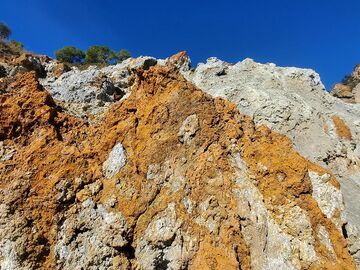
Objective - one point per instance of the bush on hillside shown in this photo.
(70, 54)
(5, 31)
(100, 55)
(123, 55)
(16, 46)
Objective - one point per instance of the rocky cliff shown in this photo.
(150, 164)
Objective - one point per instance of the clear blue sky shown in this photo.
(323, 35)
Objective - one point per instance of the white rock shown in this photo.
(188, 129)
(329, 198)
(115, 161)
(325, 240)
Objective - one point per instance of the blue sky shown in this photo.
(323, 35)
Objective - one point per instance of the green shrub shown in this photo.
(70, 54)
(16, 46)
(100, 54)
(123, 55)
(5, 31)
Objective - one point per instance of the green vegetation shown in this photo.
(95, 55)
(70, 54)
(12, 46)
(5, 31)
(100, 55)
(123, 55)
(16, 46)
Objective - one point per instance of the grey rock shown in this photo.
(16, 70)
(164, 245)
(92, 91)
(153, 171)
(65, 192)
(354, 242)
(95, 187)
(74, 86)
(91, 237)
(6, 152)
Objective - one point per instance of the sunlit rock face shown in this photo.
(186, 169)
(292, 101)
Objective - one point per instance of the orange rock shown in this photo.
(60, 68)
(342, 91)
(342, 130)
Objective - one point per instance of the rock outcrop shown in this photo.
(173, 177)
(89, 92)
(293, 102)
(349, 89)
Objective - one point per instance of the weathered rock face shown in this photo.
(91, 91)
(91, 238)
(171, 178)
(293, 102)
(28, 62)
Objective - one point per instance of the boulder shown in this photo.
(342, 91)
